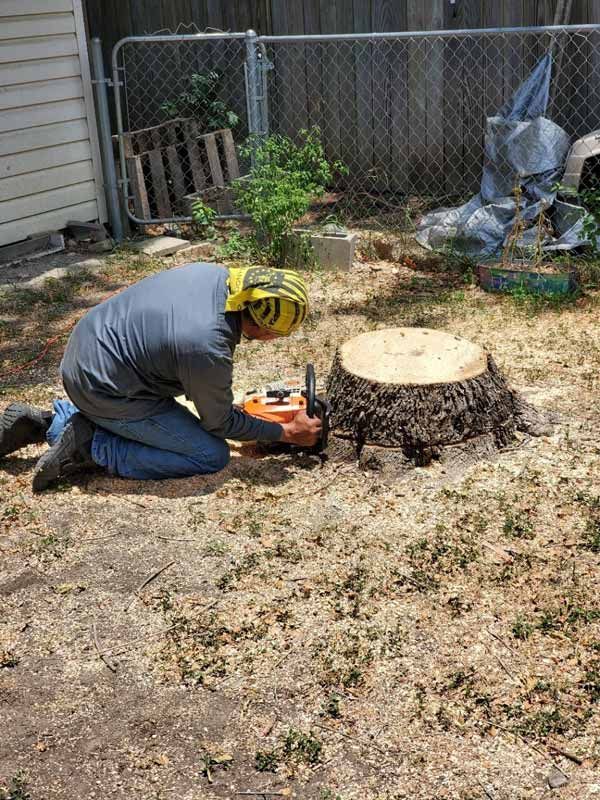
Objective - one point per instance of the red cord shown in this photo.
(49, 343)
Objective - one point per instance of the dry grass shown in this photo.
(320, 633)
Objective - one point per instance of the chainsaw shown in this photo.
(281, 403)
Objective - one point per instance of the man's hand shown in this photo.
(302, 430)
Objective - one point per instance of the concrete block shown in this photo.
(332, 250)
(159, 246)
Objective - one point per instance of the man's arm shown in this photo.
(208, 383)
(209, 387)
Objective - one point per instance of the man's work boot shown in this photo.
(21, 425)
(71, 453)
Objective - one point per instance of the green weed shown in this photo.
(303, 748)
(16, 790)
(240, 569)
(51, 546)
(332, 706)
(591, 681)
(209, 762)
(266, 761)
(591, 534)
(543, 723)
(216, 547)
(531, 303)
(518, 525)
(8, 659)
(239, 248)
(329, 794)
(521, 629)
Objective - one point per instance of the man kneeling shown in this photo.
(128, 358)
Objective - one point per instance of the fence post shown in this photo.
(111, 183)
(253, 87)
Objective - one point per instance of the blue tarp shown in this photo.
(521, 145)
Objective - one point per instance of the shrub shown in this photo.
(202, 102)
(284, 179)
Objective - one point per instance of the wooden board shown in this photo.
(156, 137)
(160, 188)
(233, 169)
(345, 56)
(196, 166)
(176, 171)
(390, 121)
(290, 91)
(212, 152)
(138, 187)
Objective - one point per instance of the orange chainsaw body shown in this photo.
(275, 409)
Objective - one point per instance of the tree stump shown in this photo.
(403, 397)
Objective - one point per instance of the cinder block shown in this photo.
(331, 250)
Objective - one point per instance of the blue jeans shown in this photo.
(172, 444)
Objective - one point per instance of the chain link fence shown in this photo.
(406, 113)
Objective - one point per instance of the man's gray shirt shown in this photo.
(162, 337)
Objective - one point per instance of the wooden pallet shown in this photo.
(168, 162)
(160, 136)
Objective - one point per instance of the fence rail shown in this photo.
(406, 112)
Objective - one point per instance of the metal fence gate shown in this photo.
(406, 112)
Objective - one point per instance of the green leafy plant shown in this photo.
(332, 706)
(266, 761)
(522, 629)
(204, 217)
(202, 102)
(17, 790)
(302, 747)
(239, 248)
(518, 525)
(209, 762)
(590, 199)
(284, 179)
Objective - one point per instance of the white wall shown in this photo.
(50, 168)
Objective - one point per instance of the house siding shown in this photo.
(50, 169)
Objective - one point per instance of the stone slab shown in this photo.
(159, 246)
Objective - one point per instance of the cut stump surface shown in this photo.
(403, 395)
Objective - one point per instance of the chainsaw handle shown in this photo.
(311, 390)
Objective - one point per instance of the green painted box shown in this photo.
(496, 278)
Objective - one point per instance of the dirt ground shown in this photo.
(315, 632)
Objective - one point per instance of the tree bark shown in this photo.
(417, 420)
